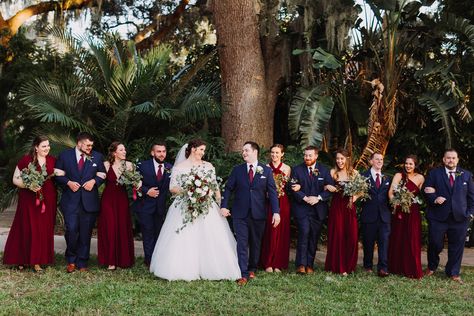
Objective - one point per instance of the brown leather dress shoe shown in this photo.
(241, 281)
(301, 270)
(428, 272)
(383, 273)
(368, 270)
(457, 278)
(309, 270)
(70, 268)
(251, 275)
(83, 269)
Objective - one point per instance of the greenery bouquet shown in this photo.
(131, 179)
(32, 179)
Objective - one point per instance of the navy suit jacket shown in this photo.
(251, 196)
(310, 186)
(459, 198)
(378, 204)
(70, 200)
(147, 204)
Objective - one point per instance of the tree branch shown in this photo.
(23, 15)
(168, 24)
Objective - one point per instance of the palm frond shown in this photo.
(309, 115)
(439, 107)
(200, 103)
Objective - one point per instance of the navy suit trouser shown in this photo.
(379, 232)
(79, 225)
(150, 226)
(249, 234)
(456, 232)
(309, 231)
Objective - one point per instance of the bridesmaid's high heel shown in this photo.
(111, 268)
(37, 269)
(269, 269)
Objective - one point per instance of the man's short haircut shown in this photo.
(254, 145)
(84, 136)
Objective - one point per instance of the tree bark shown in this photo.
(247, 114)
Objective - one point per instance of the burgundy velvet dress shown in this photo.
(342, 247)
(115, 244)
(276, 241)
(404, 252)
(31, 237)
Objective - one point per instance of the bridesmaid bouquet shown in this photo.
(130, 178)
(357, 185)
(280, 180)
(403, 197)
(198, 187)
(32, 179)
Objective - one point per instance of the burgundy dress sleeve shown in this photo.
(24, 161)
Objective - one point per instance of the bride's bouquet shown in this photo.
(357, 185)
(32, 179)
(130, 178)
(403, 197)
(198, 187)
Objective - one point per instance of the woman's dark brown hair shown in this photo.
(194, 143)
(36, 141)
(112, 149)
(415, 161)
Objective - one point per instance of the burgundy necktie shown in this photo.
(159, 173)
(80, 163)
(250, 173)
(451, 178)
(377, 180)
(310, 172)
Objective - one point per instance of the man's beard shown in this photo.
(159, 160)
(310, 163)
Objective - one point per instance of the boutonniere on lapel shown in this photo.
(458, 173)
(167, 170)
(315, 172)
(88, 157)
(259, 170)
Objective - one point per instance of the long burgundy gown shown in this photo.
(114, 230)
(342, 249)
(276, 241)
(404, 252)
(31, 237)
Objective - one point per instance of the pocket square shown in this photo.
(263, 177)
(320, 178)
(464, 183)
(387, 183)
(94, 165)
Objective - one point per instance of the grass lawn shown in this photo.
(137, 292)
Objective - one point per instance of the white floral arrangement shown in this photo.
(357, 185)
(403, 197)
(198, 188)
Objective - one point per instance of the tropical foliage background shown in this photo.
(394, 76)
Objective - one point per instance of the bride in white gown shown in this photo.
(205, 248)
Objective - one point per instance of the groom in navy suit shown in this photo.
(450, 194)
(80, 171)
(376, 216)
(251, 183)
(151, 208)
(309, 207)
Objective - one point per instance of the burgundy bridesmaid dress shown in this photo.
(342, 247)
(404, 252)
(276, 241)
(31, 237)
(115, 244)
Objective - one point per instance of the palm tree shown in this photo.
(116, 92)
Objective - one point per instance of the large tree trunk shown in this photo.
(247, 114)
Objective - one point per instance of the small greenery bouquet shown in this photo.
(198, 187)
(280, 181)
(403, 198)
(32, 179)
(357, 185)
(131, 179)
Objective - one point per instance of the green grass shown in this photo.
(137, 292)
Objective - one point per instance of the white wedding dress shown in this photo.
(204, 249)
